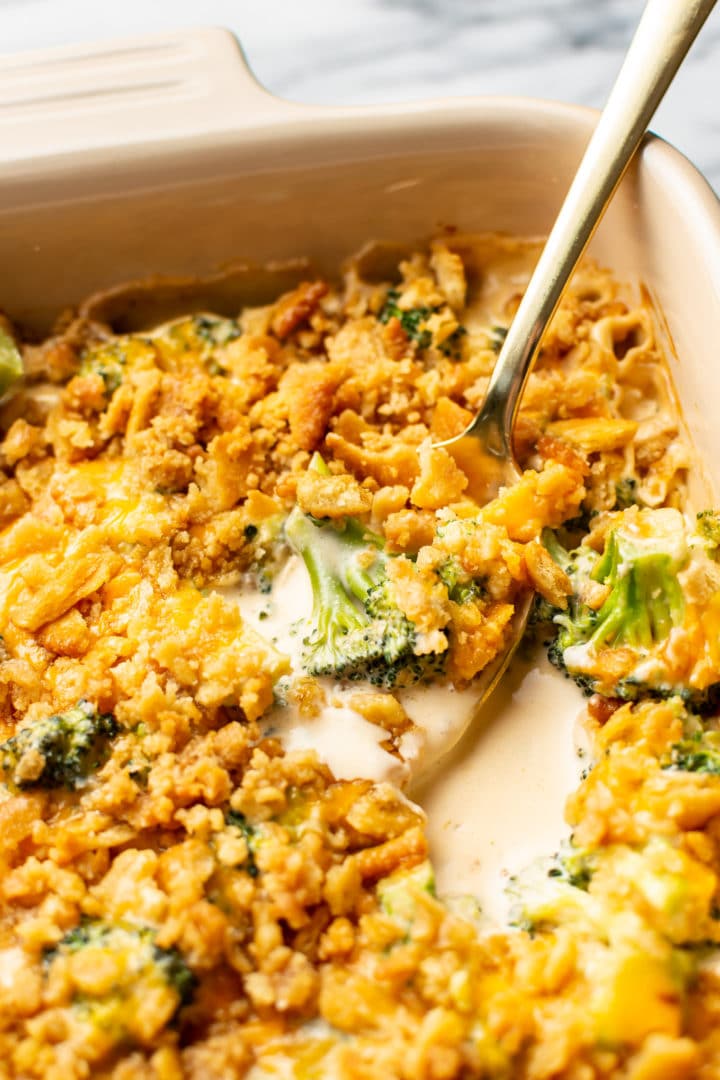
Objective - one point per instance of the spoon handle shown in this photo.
(665, 33)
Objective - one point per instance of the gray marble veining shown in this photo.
(364, 51)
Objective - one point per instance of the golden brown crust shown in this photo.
(547, 577)
(296, 306)
(132, 496)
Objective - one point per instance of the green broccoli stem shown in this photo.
(357, 630)
(645, 601)
(640, 568)
(333, 609)
(307, 536)
(356, 541)
(699, 754)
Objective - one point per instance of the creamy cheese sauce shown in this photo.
(277, 616)
(343, 738)
(497, 801)
(339, 734)
(442, 714)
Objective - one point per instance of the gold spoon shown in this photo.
(666, 31)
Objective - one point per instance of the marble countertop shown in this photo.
(362, 51)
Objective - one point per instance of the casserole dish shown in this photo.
(219, 171)
(167, 149)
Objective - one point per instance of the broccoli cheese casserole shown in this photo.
(245, 599)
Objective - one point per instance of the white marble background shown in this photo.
(360, 51)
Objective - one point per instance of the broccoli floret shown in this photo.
(543, 612)
(358, 632)
(111, 359)
(199, 335)
(699, 753)
(575, 866)
(411, 320)
(461, 587)
(452, 345)
(645, 599)
(239, 821)
(626, 597)
(139, 942)
(215, 330)
(551, 891)
(265, 552)
(626, 493)
(401, 893)
(108, 361)
(556, 656)
(142, 970)
(59, 751)
(708, 527)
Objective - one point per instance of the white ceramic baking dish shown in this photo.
(163, 155)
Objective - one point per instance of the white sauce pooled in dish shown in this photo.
(276, 616)
(346, 741)
(343, 738)
(497, 801)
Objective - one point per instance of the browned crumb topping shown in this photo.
(185, 899)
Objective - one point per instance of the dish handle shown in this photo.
(182, 84)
